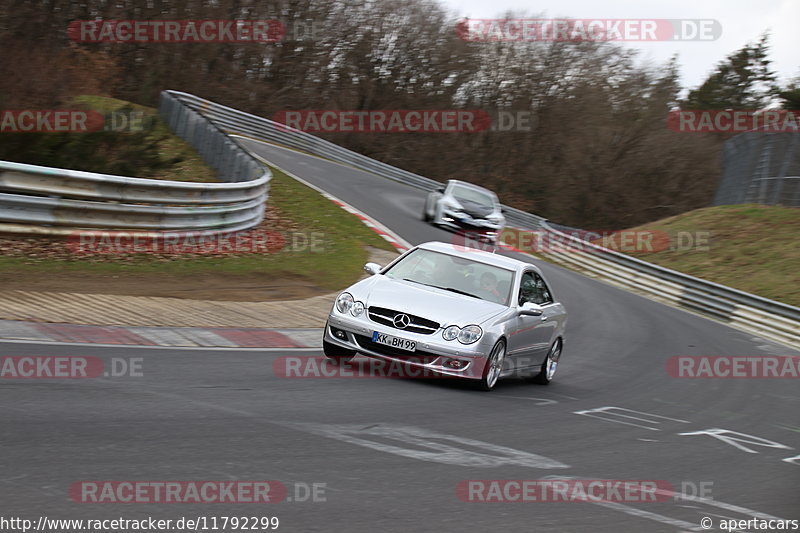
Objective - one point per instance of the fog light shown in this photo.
(455, 363)
(338, 333)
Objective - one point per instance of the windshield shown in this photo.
(456, 274)
(469, 194)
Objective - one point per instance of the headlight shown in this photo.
(344, 302)
(357, 309)
(450, 333)
(470, 334)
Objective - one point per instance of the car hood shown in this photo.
(445, 307)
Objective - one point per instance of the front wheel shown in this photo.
(545, 375)
(426, 217)
(493, 367)
(337, 353)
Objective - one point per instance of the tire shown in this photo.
(548, 370)
(337, 353)
(494, 365)
(425, 216)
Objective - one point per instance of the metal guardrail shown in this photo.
(43, 200)
(749, 312)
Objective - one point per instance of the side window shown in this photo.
(525, 287)
(542, 291)
(533, 289)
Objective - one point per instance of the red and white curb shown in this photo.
(399, 244)
(161, 336)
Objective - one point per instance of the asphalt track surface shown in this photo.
(390, 453)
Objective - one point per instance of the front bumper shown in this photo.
(459, 220)
(434, 355)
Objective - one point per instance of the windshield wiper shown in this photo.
(459, 291)
(451, 289)
(415, 281)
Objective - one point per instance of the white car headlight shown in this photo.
(357, 308)
(344, 302)
(470, 334)
(451, 333)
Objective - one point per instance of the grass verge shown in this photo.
(134, 142)
(753, 248)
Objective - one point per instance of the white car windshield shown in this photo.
(469, 194)
(455, 274)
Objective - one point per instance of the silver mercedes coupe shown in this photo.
(451, 311)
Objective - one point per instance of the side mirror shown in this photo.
(372, 268)
(530, 309)
(503, 210)
(440, 189)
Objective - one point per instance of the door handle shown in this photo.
(544, 318)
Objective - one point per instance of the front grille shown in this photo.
(419, 356)
(385, 316)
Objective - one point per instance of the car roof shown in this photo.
(477, 255)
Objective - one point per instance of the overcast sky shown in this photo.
(742, 21)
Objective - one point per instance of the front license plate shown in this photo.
(394, 342)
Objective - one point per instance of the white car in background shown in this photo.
(451, 311)
(465, 206)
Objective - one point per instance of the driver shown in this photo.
(489, 287)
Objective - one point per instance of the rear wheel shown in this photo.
(425, 215)
(550, 364)
(337, 353)
(494, 365)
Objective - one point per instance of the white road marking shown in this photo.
(541, 401)
(633, 511)
(619, 412)
(734, 438)
(346, 433)
(429, 445)
(716, 503)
